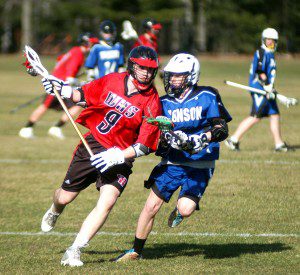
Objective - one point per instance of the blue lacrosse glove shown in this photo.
(107, 159)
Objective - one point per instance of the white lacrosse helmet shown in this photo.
(181, 64)
(269, 33)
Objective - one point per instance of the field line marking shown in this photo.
(189, 234)
(145, 160)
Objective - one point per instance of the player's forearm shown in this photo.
(129, 153)
(136, 150)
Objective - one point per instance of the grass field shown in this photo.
(254, 192)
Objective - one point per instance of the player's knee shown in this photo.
(185, 212)
(255, 120)
(186, 207)
(63, 197)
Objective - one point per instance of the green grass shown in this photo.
(246, 195)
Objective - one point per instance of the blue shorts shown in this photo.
(166, 179)
(261, 106)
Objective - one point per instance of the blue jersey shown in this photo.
(263, 62)
(193, 116)
(107, 59)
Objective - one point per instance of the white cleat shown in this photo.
(48, 221)
(26, 132)
(71, 257)
(56, 132)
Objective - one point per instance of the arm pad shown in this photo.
(219, 130)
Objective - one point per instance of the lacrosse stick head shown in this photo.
(128, 31)
(162, 122)
(291, 102)
(287, 101)
(35, 61)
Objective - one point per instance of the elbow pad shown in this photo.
(219, 130)
(140, 149)
(82, 102)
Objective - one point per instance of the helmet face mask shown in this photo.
(181, 73)
(269, 35)
(142, 66)
(175, 83)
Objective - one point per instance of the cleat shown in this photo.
(26, 132)
(284, 148)
(233, 146)
(48, 221)
(56, 132)
(71, 257)
(175, 218)
(128, 255)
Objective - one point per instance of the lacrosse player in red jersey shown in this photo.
(116, 107)
(66, 68)
(150, 36)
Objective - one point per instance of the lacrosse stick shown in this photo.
(36, 64)
(287, 101)
(129, 32)
(166, 126)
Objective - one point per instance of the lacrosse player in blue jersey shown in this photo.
(262, 76)
(107, 56)
(200, 118)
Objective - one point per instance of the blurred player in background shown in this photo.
(118, 132)
(107, 56)
(150, 36)
(199, 117)
(262, 76)
(66, 69)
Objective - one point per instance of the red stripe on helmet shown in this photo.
(146, 62)
(94, 40)
(157, 26)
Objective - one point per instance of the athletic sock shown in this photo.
(234, 139)
(80, 241)
(29, 124)
(53, 212)
(139, 245)
(60, 123)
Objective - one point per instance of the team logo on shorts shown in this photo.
(122, 180)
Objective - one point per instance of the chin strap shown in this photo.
(140, 86)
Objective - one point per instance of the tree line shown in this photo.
(188, 25)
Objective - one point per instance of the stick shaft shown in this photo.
(244, 87)
(63, 105)
(14, 110)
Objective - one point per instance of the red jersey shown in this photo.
(69, 64)
(116, 119)
(144, 41)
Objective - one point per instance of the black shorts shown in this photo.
(81, 173)
(51, 102)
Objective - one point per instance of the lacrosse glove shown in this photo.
(200, 142)
(63, 88)
(107, 159)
